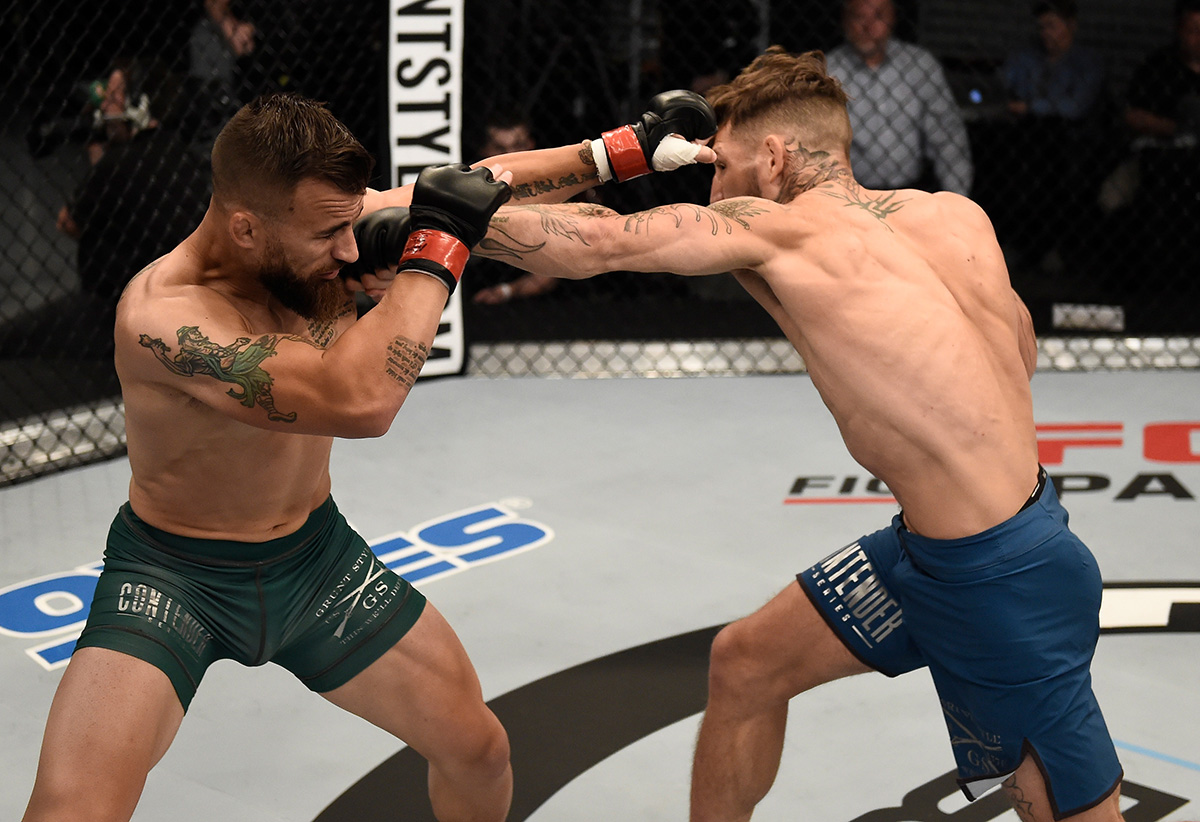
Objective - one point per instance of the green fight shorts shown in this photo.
(318, 602)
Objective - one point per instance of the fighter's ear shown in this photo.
(772, 166)
(245, 229)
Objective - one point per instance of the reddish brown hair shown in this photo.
(779, 90)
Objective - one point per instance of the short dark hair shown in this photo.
(278, 140)
(505, 117)
(1066, 9)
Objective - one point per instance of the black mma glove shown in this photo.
(450, 211)
(629, 151)
(380, 237)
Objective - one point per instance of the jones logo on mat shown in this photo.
(53, 608)
(1167, 446)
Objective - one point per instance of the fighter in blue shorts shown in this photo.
(1007, 621)
(900, 305)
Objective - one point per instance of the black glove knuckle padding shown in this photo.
(380, 237)
(458, 200)
(681, 112)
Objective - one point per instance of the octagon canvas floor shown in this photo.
(585, 538)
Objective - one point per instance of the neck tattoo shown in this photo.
(809, 169)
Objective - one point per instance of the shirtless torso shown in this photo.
(269, 480)
(899, 303)
(212, 416)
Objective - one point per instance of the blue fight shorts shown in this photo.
(1007, 622)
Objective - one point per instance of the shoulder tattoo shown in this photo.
(739, 211)
(880, 206)
(238, 363)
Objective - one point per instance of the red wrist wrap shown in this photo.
(438, 246)
(624, 153)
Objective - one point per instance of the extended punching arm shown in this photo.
(554, 175)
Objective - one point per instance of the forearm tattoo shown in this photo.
(556, 221)
(533, 188)
(238, 363)
(527, 190)
(585, 155)
(561, 220)
(721, 217)
(505, 246)
(405, 358)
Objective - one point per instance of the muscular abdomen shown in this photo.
(268, 482)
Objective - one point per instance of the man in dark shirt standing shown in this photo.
(136, 204)
(1164, 94)
(145, 191)
(1163, 111)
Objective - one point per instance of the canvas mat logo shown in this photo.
(1167, 447)
(53, 608)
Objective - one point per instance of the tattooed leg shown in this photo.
(1026, 792)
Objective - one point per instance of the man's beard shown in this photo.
(314, 299)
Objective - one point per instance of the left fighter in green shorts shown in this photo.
(241, 358)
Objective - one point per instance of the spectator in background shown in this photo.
(1152, 199)
(504, 133)
(141, 198)
(907, 127)
(219, 49)
(1057, 91)
(1164, 94)
(1057, 77)
(145, 193)
(121, 109)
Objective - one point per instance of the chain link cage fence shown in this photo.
(1087, 163)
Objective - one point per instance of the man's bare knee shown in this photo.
(741, 668)
(65, 800)
(481, 753)
(731, 665)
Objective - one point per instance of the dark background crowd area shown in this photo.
(1098, 223)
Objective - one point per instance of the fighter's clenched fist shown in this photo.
(661, 140)
(451, 207)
